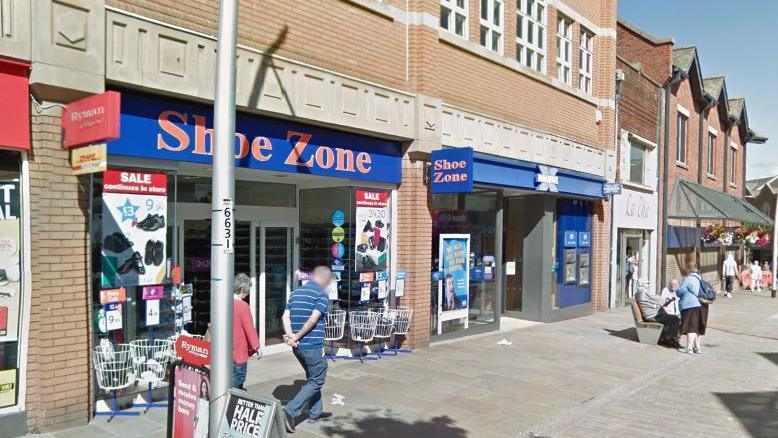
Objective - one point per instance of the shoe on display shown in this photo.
(148, 257)
(367, 263)
(117, 242)
(371, 242)
(381, 245)
(152, 222)
(135, 261)
(367, 228)
(362, 248)
(379, 224)
(159, 253)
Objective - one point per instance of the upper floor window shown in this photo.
(585, 61)
(564, 50)
(637, 162)
(453, 16)
(682, 122)
(733, 164)
(531, 34)
(490, 35)
(711, 153)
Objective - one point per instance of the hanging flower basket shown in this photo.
(749, 237)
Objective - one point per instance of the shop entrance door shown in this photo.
(629, 265)
(275, 272)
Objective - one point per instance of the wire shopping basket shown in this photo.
(150, 359)
(384, 325)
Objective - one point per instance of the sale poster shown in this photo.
(190, 403)
(372, 230)
(10, 259)
(152, 312)
(247, 415)
(134, 228)
(113, 316)
(454, 265)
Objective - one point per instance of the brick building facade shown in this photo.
(528, 85)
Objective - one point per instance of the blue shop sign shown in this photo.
(451, 170)
(173, 130)
(584, 239)
(571, 239)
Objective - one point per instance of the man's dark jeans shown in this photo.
(238, 375)
(315, 365)
(671, 324)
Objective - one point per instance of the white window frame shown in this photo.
(711, 149)
(454, 10)
(681, 149)
(585, 61)
(491, 25)
(564, 50)
(645, 149)
(531, 36)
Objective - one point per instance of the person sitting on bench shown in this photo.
(653, 309)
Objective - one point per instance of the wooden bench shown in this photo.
(648, 331)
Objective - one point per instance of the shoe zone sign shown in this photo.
(451, 170)
(178, 131)
(134, 228)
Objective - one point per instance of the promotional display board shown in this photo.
(191, 392)
(372, 225)
(454, 265)
(134, 228)
(248, 416)
(89, 159)
(10, 258)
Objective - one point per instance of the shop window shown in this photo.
(637, 162)
(585, 61)
(681, 124)
(474, 215)
(197, 189)
(491, 28)
(531, 34)
(453, 17)
(564, 50)
(11, 277)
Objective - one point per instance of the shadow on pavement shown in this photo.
(284, 393)
(756, 411)
(772, 357)
(629, 334)
(385, 426)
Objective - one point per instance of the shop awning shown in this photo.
(694, 201)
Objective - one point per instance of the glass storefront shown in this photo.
(11, 278)
(473, 214)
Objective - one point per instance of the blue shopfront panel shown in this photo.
(574, 216)
(173, 130)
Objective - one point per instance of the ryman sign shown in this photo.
(451, 170)
(91, 120)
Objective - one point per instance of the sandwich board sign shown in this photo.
(249, 416)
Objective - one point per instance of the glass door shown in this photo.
(629, 265)
(275, 276)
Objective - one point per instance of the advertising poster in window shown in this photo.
(10, 259)
(454, 266)
(190, 403)
(371, 230)
(134, 228)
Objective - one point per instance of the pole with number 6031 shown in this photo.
(222, 235)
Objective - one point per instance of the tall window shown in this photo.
(453, 16)
(711, 154)
(586, 50)
(564, 50)
(680, 138)
(531, 34)
(637, 162)
(491, 25)
(732, 163)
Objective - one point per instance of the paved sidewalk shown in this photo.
(581, 378)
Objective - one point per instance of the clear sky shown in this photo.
(735, 39)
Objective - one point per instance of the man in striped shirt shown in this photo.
(304, 327)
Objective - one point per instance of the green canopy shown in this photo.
(694, 201)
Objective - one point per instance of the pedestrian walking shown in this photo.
(245, 341)
(728, 274)
(303, 322)
(693, 317)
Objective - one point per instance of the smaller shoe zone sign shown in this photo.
(134, 228)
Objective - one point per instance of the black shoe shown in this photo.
(159, 252)
(367, 263)
(379, 224)
(371, 242)
(362, 248)
(117, 242)
(367, 228)
(134, 262)
(288, 422)
(324, 416)
(148, 257)
(381, 244)
(152, 222)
